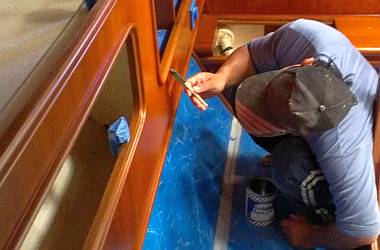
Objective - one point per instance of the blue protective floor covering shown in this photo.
(186, 207)
(187, 200)
(242, 234)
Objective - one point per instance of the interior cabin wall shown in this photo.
(242, 33)
(69, 208)
(33, 36)
(292, 7)
(52, 130)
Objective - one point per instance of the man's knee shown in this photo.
(296, 174)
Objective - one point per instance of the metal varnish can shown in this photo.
(260, 195)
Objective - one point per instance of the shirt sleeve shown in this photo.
(262, 53)
(284, 47)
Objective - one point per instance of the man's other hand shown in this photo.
(298, 231)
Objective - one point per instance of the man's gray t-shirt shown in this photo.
(343, 153)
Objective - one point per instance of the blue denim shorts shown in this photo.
(303, 187)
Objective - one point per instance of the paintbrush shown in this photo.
(188, 86)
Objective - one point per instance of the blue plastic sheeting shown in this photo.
(244, 235)
(162, 38)
(187, 201)
(194, 13)
(186, 207)
(175, 3)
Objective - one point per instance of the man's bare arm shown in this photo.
(237, 67)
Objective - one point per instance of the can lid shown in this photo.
(261, 186)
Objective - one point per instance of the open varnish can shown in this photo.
(259, 199)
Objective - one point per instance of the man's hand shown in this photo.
(301, 233)
(298, 231)
(235, 69)
(206, 85)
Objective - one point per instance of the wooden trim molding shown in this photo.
(165, 13)
(103, 219)
(364, 33)
(33, 156)
(293, 7)
(31, 160)
(182, 22)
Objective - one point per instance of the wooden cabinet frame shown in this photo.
(45, 131)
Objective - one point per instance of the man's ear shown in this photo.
(308, 61)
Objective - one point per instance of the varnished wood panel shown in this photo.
(290, 7)
(376, 143)
(44, 138)
(175, 40)
(48, 136)
(130, 222)
(181, 53)
(165, 13)
(209, 23)
(363, 32)
(206, 35)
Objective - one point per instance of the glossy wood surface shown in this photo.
(175, 40)
(363, 31)
(130, 221)
(44, 132)
(290, 7)
(165, 13)
(206, 35)
(210, 22)
(35, 153)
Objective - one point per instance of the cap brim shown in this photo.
(251, 93)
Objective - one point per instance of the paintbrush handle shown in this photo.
(196, 95)
(188, 86)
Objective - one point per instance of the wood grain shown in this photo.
(363, 32)
(291, 7)
(34, 154)
(165, 13)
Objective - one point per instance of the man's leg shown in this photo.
(299, 179)
(292, 165)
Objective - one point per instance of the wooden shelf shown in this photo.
(363, 31)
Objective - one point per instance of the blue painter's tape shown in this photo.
(162, 36)
(118, 133)
(194, 13)
(175, 3)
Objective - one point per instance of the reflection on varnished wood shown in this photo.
(32, 39)
(66, 216)
(68, 211)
